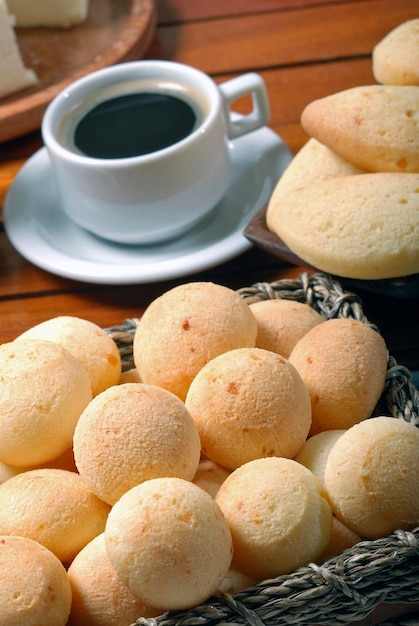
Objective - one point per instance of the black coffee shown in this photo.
(134, 124)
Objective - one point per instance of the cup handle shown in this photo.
(235, 88)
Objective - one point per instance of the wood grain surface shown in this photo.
(304, 49)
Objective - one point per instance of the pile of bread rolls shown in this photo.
(238, 449)
(348, 204)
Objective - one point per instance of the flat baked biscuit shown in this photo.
(395, 59)
(364, 226)
(313, 162)
(375, 127)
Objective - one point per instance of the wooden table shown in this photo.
(304, 49)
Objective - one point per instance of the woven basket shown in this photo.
(349, 587)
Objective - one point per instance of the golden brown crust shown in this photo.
(278, 516)
(186, 327)
(341, 539)
(249, 403)
(372, 477)
(281, 323)
(169, 541)
(34, 584)
(99, 597)
(343, 364)
(43, 390)
(53, 507)
(89, 343)
(314, 452)
(131, 433)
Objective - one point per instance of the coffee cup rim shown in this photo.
(125, 71)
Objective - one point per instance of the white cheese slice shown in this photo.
(14, 76)
(49, 13)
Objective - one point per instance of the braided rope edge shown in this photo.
(346, 587)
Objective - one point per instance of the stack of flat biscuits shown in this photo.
(348, 204)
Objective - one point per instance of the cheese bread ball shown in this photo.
(372, 477)
(278, 516)
(343, 363)
(130, 376)
(249, 403)
(314, 452)
(131, 433)
(209, 476)
(169, 541)
(89, 343)
(395, 59)
(185, 328)
(341, 539)
(53, 507)
(281, 323)
(34, 585)
(236, 581)
(99, 597)
(43, 390)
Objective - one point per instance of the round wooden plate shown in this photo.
(114, 31)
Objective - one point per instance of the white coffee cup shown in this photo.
(157, 196)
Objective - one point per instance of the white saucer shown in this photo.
(41, 232)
